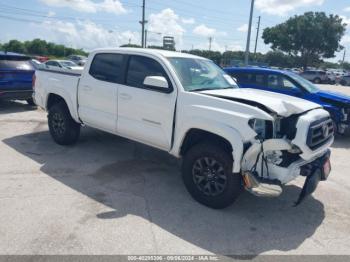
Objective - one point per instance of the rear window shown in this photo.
(107, 67)
(250, 78)
(16, 65)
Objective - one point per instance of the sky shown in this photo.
(91, 24)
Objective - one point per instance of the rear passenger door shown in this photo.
(98, 90)
(280, 83)
(146, 114)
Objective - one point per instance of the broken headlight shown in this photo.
(263, 128)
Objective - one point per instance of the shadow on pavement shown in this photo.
(131, 178)
(8, 107)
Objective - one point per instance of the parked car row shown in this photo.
(288, 83)
(17, 73)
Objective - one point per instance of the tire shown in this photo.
(343, 83)
(30, 102)
(196, 180)
(63, 129)
(317, 80)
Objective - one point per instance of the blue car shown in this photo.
(289, 83)
(16, 77)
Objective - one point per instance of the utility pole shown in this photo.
(210, 40)
(143, 23)
(246, 60)
(146, 32)
(257, 36)
(344, 54)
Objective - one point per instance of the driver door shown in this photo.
(146, 114)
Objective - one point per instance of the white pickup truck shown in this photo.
(228, 138)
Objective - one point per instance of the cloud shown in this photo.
(283, 7)
(243, 28)
(345, 40)
(203, 30)
(188, 21)
(347, 9)
(217, 46)
(84, 34)
(167, 23)
(88, 6)
(51, 14)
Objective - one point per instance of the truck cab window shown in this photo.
(140, 67)
(107, 67)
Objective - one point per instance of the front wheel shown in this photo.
(63, 129)
(207, 175)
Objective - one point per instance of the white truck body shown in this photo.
(164, 119)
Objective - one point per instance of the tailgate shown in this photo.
(11, 80)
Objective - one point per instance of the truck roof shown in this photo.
(164, 53)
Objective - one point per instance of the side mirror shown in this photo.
(156, 81)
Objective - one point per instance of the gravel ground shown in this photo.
(108, 195)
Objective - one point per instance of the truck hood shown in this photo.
(334, 98)
(282, 105)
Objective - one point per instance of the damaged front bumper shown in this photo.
(274, 177)
(316, 171)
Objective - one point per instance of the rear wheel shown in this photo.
(317, 80)
(207, 174)
(63, 129)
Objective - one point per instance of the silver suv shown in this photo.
(316, 76)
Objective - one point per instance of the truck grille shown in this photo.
(320, 132)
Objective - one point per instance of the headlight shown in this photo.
(263, 128)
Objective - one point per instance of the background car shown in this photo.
(288, 83)
(315, 76)
(332, 77)
(345, 80)
(64, 64)
(16, 77)
(78, 59)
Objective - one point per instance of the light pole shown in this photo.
(246, 60)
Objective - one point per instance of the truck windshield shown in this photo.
(307, 85)
(201, 74)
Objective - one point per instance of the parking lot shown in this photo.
(109, 195)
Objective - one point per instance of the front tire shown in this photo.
(207, 175)
(63, 129)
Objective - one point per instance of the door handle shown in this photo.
(125, 96)
(87, 88)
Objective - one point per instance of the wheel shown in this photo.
(343, 83)
(207, 175)
(30, 102)
(317, 81)
(63, 129)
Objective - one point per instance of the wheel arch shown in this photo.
(54, 98)
(229, 138)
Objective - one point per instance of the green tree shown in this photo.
(37, 47)
(15, 46)
(310, 36)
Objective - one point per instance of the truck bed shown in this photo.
(61, 82)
